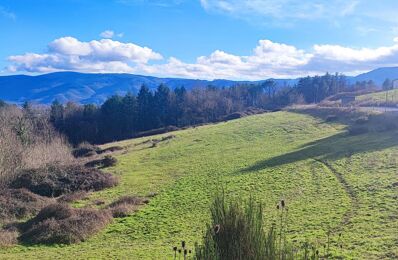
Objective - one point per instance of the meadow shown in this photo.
(337, 186)
(389, 97)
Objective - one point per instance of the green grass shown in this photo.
(384, 97)
(330, 181)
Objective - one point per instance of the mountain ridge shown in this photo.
(96, 87)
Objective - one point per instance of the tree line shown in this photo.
(121, 117)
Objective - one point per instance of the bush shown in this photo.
(107, 161)
(110, 149)
(331, 118)
(74, 196)
(28, 141)
(124, 206)
(362, 120)
(61, 224)
(20, 203)
(85, 150)
(56, 180)
(358, 130)
(236, 233)
(8, 238)
(235, 115)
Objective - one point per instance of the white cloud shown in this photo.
(107, 34)
(267, 59)
(68, 53)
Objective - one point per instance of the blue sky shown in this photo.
(233, 39)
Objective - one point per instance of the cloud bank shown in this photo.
(267, 59)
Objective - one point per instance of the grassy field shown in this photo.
(330, 181)
(389, 97)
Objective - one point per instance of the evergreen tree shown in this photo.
(145, 109)
(387, 84)
(162, 106)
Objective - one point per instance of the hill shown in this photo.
(95, 88)
(381, 98)
(379, 75)
(90, 88)
(330, 180)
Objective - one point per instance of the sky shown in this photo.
(206, 39)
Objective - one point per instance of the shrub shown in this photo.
(28, 141)
(85, 150)
(331, 118)
(57, 180)
(74, 196)
(362, 120)
(107, 161)
(358, 130)
(8, 238)
(61, 224)
(235, 115)
(110, 149)
(236, 233)
(20, 203)
(124, 206)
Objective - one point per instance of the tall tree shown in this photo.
(387, 84)
(162, 104)
(145, 109)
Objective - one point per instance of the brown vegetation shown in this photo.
(126, 205)
(28, 141)
(20, 203)
(56, 180)
(59, 223)
(107, 161)
(85, 150)
(8, 238)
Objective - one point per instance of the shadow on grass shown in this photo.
(332, 148)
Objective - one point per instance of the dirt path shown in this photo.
(348, 189)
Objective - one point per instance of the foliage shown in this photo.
(27, 140)
(122, 117)
(237, 233)
(57, 180)
(61, 224)
(19, 203)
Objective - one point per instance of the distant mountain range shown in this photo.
(95, 88)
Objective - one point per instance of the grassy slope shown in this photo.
(379, 97)
(329, 180)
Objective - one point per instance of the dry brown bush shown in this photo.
(126, 205)
(61, 224)
(8, 238)
(20, 203)
(107, 161)
(57, 180)
(86, 150)
(74, 196)
(27, 140)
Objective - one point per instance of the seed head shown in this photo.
(217, 228)
(283, 203)
(183, 244)
(185, 252)
(175, 248)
